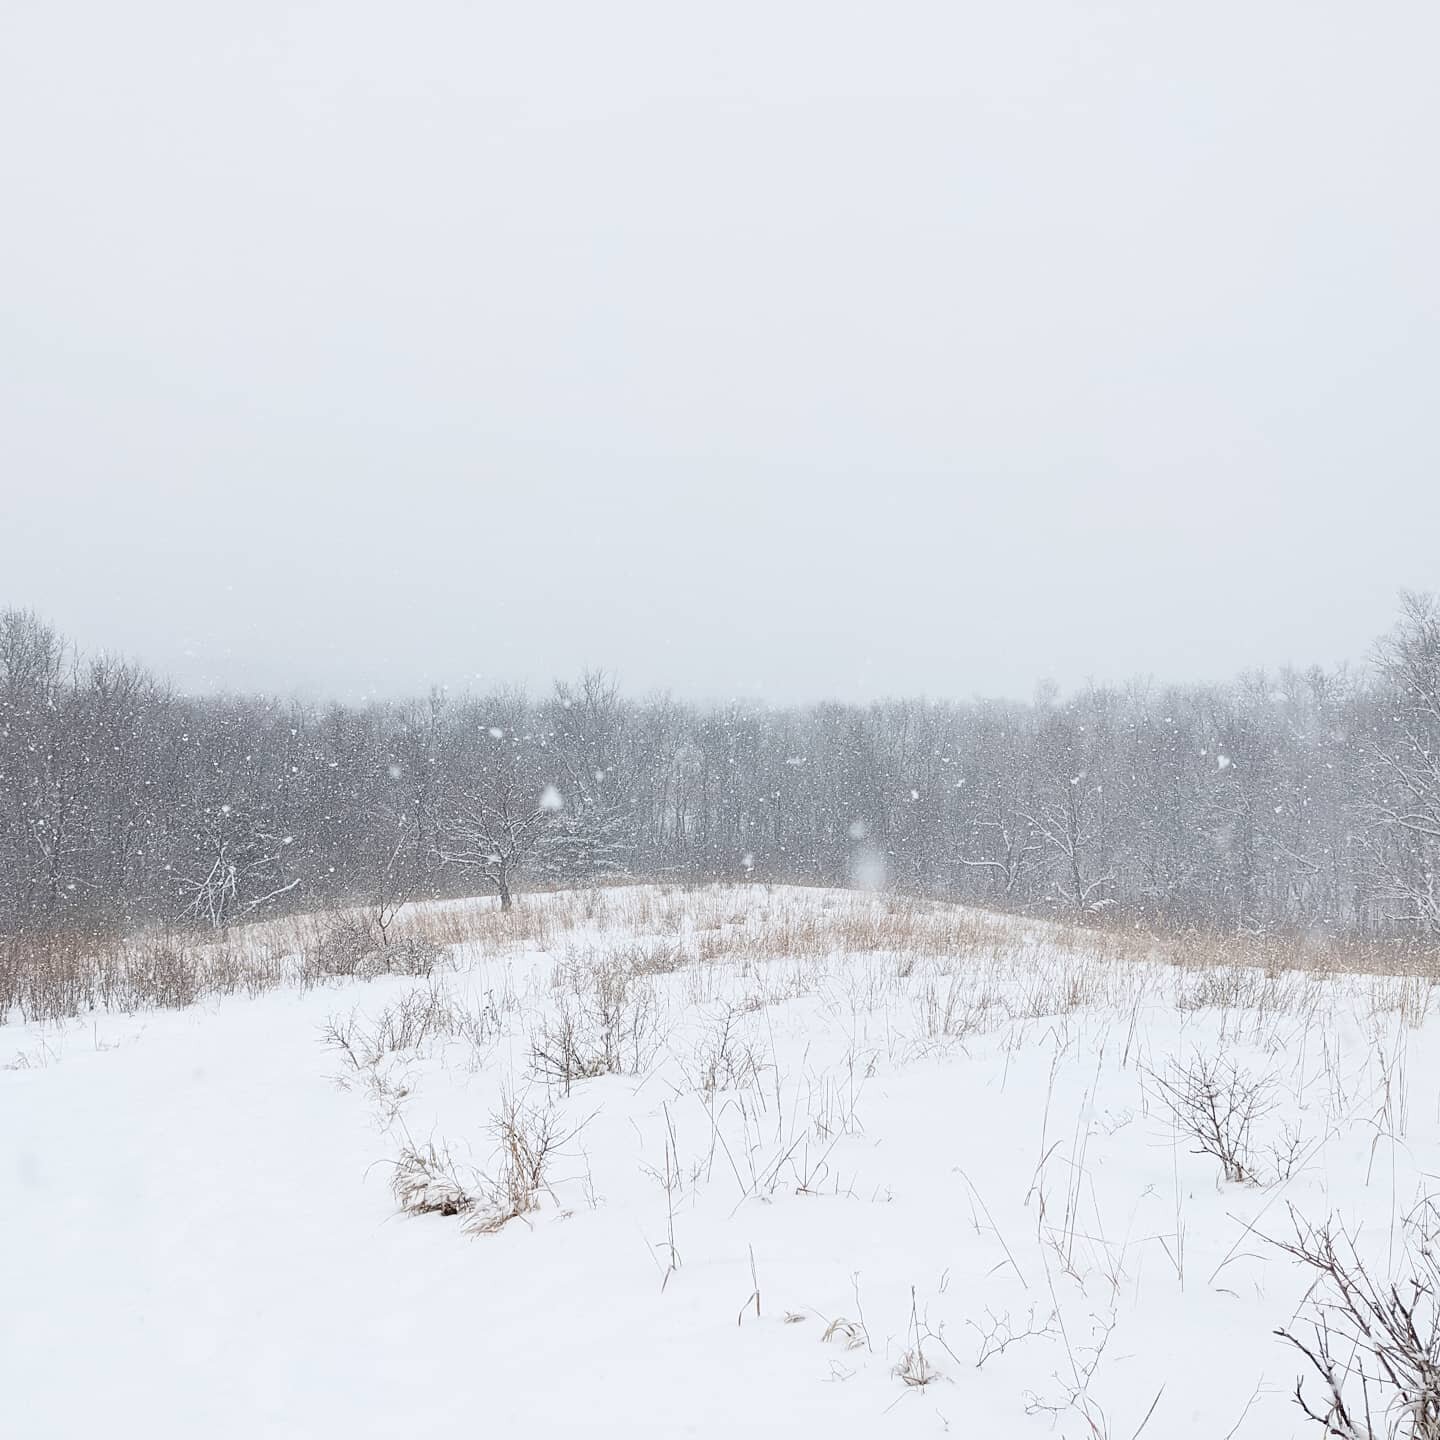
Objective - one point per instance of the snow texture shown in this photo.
(828, 1180)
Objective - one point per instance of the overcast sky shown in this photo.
(791, 350)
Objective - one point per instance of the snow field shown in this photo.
(714, 1162)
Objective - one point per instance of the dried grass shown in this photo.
(55, 976)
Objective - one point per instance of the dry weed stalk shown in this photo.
(528, 1139)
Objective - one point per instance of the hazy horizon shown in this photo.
(791, 353)
(535, 686)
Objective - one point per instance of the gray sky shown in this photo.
(794, 350)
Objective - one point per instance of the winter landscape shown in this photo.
(719, 1159)
(719, 720)
(304, 1137)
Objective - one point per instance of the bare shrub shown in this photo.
(1287, 1151)
(350, 946)
(55, 975)
(405, 955)
(1075, 1398)
(656, 959)
(10, 973)
(425, 1182)
(1374, 1342)
(528, 1138)
(724, 1060)
(411, 1021)
(1217, 1104)
(168, 975)
(608, 1023)
(561, 1051)
(426, 1015)
(339, 948)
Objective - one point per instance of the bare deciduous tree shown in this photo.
(497, 811)
(1301, 800)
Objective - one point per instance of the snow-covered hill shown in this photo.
(707, 1162)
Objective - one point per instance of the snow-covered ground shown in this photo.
(841, 1146)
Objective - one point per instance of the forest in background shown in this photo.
(1293, 799)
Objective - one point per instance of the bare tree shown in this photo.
(497, 811)
(1069, 809)
(238, 868)
(1309, 799)
(1404, 850)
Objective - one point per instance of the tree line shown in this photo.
(1302, 798)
